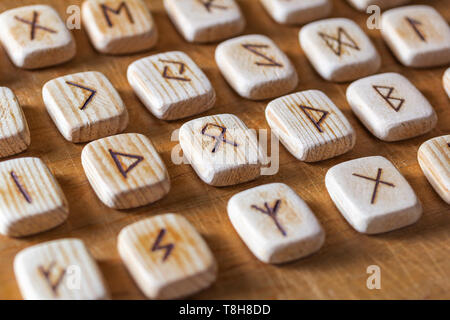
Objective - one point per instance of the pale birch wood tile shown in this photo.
(125, 171)
(417, 35)
(362, 5)
(391, 107)
(59, 270)
(310, 126)
(36, 37)
(275, 223)
(171, 85)
(297, 11)
(119, 26)
(205, 21)
(167, 257)
(372, 195)
(434, 159)
(221, 149)
(31, 200)
(446, 81)
(14, 132)
(85, 106)
(255, 67)
(339, 49)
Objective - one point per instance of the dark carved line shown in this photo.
(377, 181)
(341, 31)
(123, 171)
(252, 48)
(219, 139)
(34, 25)
(181, 70)
(157, 245)
(316, 123)
(209, 4)
(92, 91)
(414, 23)
(47, 273)
(388, 97)
(22, 190)
(272, 213)
(117, 11)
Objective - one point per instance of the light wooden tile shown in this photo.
(14, 132)
(362, 5)
(59, 270)
(204, 21)
(31, 200)
(310, 126)
(372, 195)
(275, 223)
(167, 257)
(339, 49)
(297, 11)
(255, 67)
(125, 171)
(36, 37)
(85, 106)
(417, 35)
(171, 85)
(446, 81)
(119, 26)
(221, 149)
(434, 159)
(391, 107)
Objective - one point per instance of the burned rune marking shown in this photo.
(91, 96)
(209, 5)
(377, 181)
(21, 188)
(272, 213)
(253, 48)
(157, 245)
(339, 40)
(414, 24)
(47, 273)
(122, 6)
(317, 123)
(220, 138)
(34, 25)
(125, 171)
(181, 70)
(394, 103)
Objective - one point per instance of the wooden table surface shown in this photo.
(414, 261)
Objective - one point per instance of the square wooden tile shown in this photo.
(167, 257)
(85, 106)
(14, 132)
(36, 37)
(255, 67)
(171, 85)
(119, 26)
(221, 149)
(391, 107)
(362, 5)
(59, 270)
(372, 195)
(339, 49)
(417, 35)
(205, 20)
(297, 11)
(434, 159)
(275, 223)
(125, 171)
(31, 200)
(310, 126)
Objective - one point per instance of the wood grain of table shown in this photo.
(414, 261)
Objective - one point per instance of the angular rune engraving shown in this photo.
(181, 70)
(157, 245)
(317, 124)
(47, 273)
(21, 188)
(414, 24)
(209, 5)
(34, 25)
(377, 181)
(342, 39)
(220, 138)
(91, 96)
(122, 6)
(253, 48)
(123, 171)
(394, 103)
(272, 213)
